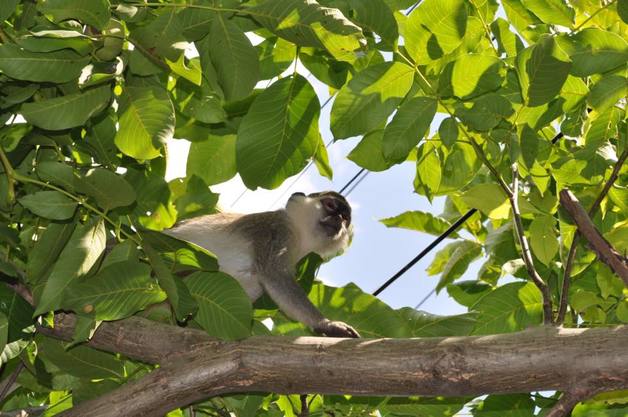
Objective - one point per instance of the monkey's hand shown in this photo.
(335, 329)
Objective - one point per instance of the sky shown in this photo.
(377, 252)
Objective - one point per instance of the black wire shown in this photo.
(425, 251)
(356, 184)
(342, 190)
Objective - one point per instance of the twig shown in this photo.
(598, 244)
(11, 380)
(305, 407)
(526, 254)
(564, 295)
(570, 398)
(21, 290)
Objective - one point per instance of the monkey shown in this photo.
(261, 250)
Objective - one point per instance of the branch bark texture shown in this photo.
(537, 359)
(587, 229)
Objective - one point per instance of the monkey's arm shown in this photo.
(277, 279)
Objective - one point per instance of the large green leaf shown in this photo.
(376, 16)
(542, 70)
(117, 291)
(369, 98)
(7, 8)
(180, 253)
(489, 198)
(368, 315)
(4, 330)
(179, 296)
(67, 111)
(457, 261)
(56, 67)
(233, 57)
(423, 324)
(607, 91)
(307, 23)
(594, 50)
(509, 308)
(92, 12)
(214, 159)
(408, 127)
(224, 309)
(58, 173)
(420, 221)
(146, 121)
(436, 27)
(555, 12)
(47, 249)
(279, 133)
(475, 74)
(49, 204)
(109, 189)
(369, 152)
(80, 361)
(18, 312)
(543, 239)
(76, 259)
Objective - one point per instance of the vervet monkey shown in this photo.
(261, 250)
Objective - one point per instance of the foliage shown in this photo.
(464, 89)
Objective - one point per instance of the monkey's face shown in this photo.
(327, 216)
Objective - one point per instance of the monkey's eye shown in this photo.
(330, 205)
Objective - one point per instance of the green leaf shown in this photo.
(224, 309)
(622, 10)
(468, 293)
(182, 253)
(79, 361)
(436, 26)
(509, 308)
(49, 204)
(448, 131)
(369, 98)
(18, 312)
(489, 198)
(594, 51)
(543, 239)
(306, 23)
(4, 330)
(555, 12)
(117, 291)
(279, 133)
(47, 250)
(475, 74)
(376, 16)
(507, 41)
(408, 127)
(178, 294)
(457, 263)
(369, 152)
(233, 57)
(429, 172)
(57, 173)
(76, 259)
(367, 314)
(109, 189)
(146, 121)
(195, 200)
(275, 56)
(419, 221)
(56, 40)
(486, 112)
(7, 8)
(56, 67)
(214, 159)
(542, 70)
(67, 111)
(607, 91)
(92, 12)
(423, 324)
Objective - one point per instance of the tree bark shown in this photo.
(543, 358)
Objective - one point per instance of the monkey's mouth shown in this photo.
(332, 224)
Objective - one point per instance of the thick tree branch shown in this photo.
(587, 229)
(526, 253)
(537, 359)
(568, 400)
(571, 256)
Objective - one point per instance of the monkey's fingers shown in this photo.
(338, 329)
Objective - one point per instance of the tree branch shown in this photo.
(536, 359)
(571, 397)
(571, 256)
(587, 229)
(526, 254)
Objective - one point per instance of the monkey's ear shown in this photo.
(298, 194)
